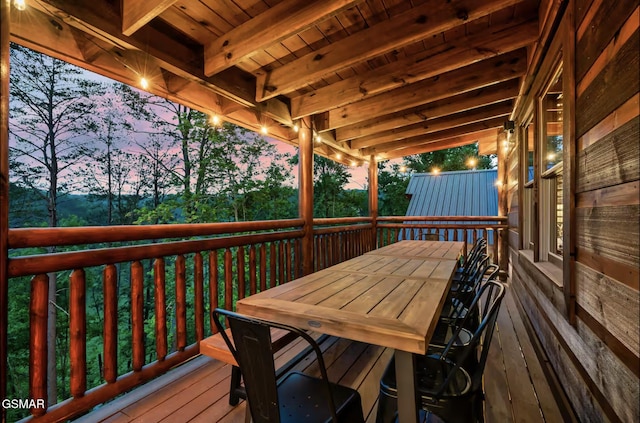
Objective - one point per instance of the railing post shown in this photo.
(305, 191)
(373, 201)
(502, 234)
(5, 9)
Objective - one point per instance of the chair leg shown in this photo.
(235, 390)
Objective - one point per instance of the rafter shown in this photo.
(502, 109)
(493, 123)
(434, 61)
(136, 13)
(274, 25)
(456, 104)
(488, 72)
(415, 24)
(489, 135)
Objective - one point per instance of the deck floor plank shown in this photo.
(515, 384)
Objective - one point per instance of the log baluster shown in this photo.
(110, 324)
(181, 303)
(198, 293)
(38, 309)
(213, 287)
(159, 281)
(288, 261)
(137, 315)
(77, 333)
(253, 285)
(272, 265)
(228, 280)
(281, 266)
(263, 267)
(242, 287)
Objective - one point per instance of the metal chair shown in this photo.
(446, 388)
(296, 397)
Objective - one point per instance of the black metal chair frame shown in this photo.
(263, 398)
(449, 400)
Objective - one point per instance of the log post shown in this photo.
(373, 201)
(5, 9)
(503, 234)
(305, 191)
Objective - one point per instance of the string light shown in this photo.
(435, 170)
(144, 83)
(215, 120)
(472, 162)
(403, 169)
(353, 163)
(296, 128)
(20, 4)
(264, 129)
(551, 157)
(498, 183)
(338, 156)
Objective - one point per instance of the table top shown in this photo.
(391, 299)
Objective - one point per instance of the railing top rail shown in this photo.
(442, 218)
(46, 237)
(341, 220)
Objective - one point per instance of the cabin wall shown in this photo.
(593, 341)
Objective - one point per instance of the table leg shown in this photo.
(406, 383)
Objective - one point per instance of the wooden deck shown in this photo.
(517, 383)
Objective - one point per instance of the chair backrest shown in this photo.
(476, 254)
(252, 349)
(491, 293)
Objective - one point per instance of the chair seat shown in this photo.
(302, 398)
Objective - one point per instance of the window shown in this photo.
(551, 152)
(528, 142)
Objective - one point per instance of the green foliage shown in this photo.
(392, 185)
(449, 160)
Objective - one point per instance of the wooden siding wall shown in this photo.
(597, 358)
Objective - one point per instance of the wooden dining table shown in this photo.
(391, 296)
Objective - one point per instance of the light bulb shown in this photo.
(144, 83)
(435, 170)
(20, 4)
(264, 130)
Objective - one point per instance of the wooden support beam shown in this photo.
(434, 61)
(278, 23)
(443, 144)
(502, 109)
(373, 200)
(137, 13)
(481, 74)
(5, 14)
(413, 25)
(448, 106)
(487, 125)
(305, 192)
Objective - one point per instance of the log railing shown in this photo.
(444, 228)
(170, 277)
(179, 265)
(339, 239)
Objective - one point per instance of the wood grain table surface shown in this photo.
(390, 297)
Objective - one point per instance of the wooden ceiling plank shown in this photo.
(291, 16)
(502, 109)
(456, 104)
(410, 26)
(426, 64)
(479, 137)
(484, 125)
(137, 13)
(468, 78)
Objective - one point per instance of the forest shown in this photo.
(88, 152)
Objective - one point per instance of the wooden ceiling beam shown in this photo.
(413, 25)
(99, 19)
(278, 23)
(434, 61)
(502, 109)
(490, 135)
(137, 13)
(448, 106)
(488, 124)
(487, 72)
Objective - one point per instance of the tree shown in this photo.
(392, 185)
(456, 158)
(51, 110)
